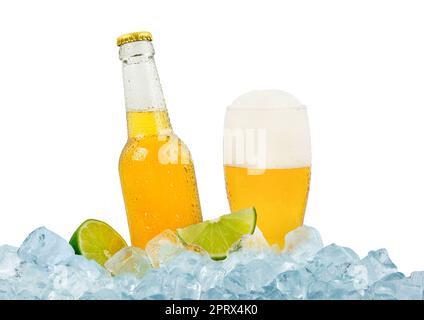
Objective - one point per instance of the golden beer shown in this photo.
(160, 191)
(267, 160)
(279, 196)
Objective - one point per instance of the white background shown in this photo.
(357, 65)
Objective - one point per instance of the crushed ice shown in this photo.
(45, 267)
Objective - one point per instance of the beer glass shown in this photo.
(267, 160)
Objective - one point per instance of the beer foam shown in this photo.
(266, 99)
(267, 129)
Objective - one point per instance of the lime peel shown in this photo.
(96, 240)
(219, 235)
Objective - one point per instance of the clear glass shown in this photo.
(267, 160)
(156, 169)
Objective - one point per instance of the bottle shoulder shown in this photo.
(154, 148)
(156, 139)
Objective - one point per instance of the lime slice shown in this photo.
(218, 236)
(96, 240)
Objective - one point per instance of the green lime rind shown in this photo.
(96, 240)
(218, 236)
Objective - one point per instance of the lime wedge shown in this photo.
(96, 240)
(218, 236)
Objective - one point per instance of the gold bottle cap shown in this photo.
(134, 36)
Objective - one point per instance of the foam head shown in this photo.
(267, 129)
(266, 99)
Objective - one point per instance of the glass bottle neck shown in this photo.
(144, 100)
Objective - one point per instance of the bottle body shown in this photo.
(156, 169)
(159, 189)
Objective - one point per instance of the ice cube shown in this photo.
(187, 261)
(396, 287)
(378, 265)
(126, 283)
(331, 262)
(248, 248)
(9, 261)
(66, 281)
(78, 276)
(335, 293)
(129, 260)
(317, 290)
(234, 259)
(417, 278)
(293, 283)
(355, 277)
(32, 282)
(211, 275)
(187, 287)
(349, 281)
(302, 243)
(103, 294)
(283, 262)
(259, 273)
(60, 295)
(218, 294)
(163, 247)
(89, 269)
(252, 242)
(151, 284)
(236, 282)
(350, 284)
(176, 267)
(239, 257)
(7, 289)
(270, 292)
(45, 248)
(157, 297)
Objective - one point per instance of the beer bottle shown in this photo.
(156, 169)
